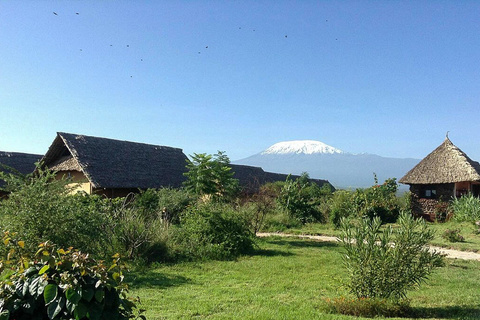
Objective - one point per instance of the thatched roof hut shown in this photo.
(445, 164)
(445, 173)
(109, 164)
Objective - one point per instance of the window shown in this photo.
(429, 192)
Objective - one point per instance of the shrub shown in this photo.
(173, 202)
(40, 208)
(166, 203)
(378, 201)
(466, 208)
(341, 206)
(139, 235)
(369, 307)
(258, 207)
(453, 235)
(300, 199)
(61, 284)
(386, 264)
(212, 231)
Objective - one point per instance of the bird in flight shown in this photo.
(55, 13)
(77, 13)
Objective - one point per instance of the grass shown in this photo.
(471, 243)
(472, 239)
(287, 279)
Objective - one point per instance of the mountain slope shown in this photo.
(325, 162)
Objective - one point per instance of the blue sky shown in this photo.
(383, 77)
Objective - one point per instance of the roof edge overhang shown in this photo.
(52, 154)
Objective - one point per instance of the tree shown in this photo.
(211, 177)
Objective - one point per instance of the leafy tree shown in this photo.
(211, 177)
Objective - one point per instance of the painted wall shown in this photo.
(79, 181)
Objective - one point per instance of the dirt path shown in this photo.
(453, 254)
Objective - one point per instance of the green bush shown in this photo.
(40, 208)
(300, 198)
(61, 284)
(342, 206)
(466, 208)
(140, 237)
(453, 235)
(386, 263)
(167, 203)
(261, 208)
(377, 201)
(212, 231)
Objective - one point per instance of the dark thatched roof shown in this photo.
(116, 164)
(446, 164)
(251, 178)
(22, 162)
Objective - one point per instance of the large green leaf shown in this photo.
(70, 306)
(44, 269)
(73, 295)
(50, 293)
(88, 293)
(80, 311)
(19, 288)
(26, 284)
(37, 286)
(55, 307)
(5, 315)
(99, 294)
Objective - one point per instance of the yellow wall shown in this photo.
(79, 181)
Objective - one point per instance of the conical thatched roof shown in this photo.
(109, 163)
(446, 164)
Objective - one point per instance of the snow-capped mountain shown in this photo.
(321, 161)
(301, 147)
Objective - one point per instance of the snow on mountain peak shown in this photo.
(301, 147)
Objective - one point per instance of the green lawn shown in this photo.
(472, 239)
(287, 279)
